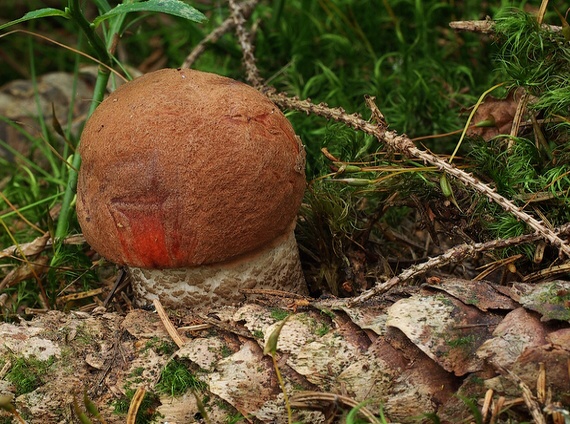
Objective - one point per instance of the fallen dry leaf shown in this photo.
(481, 294)
(550, 299)
(499, 113)
(445, 329)
(518, 331)
(27, 249)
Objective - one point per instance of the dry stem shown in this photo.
(453, 255)
(403, 144)
(252, 73)
(486, 26)
(226, 26)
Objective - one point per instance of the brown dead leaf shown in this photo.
(25, 271)
(240, 375)
(204, 352)
(499, 113)
(521, 343)
(368, 317)
(398, 377)
(141, 324)
(550, 299)
(518, 331)
(28, 249)
(322, 360)
(556, 360)
(481, 294)
(445, 329)
(26, 341)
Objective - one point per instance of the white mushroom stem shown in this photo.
(276, 267)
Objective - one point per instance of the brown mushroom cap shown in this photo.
(183, 168)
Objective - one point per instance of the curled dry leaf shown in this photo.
(242, 373)
(520, 344)
(518, 331)
(552, 354)
(28, 249)
(404, 382)
(27, 270)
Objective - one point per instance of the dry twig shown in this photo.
(313, 400)
(529, 399)
(453, 255)
(403, 144)
(226, 26)
(252, 73)
(487, 26)
(172, 332)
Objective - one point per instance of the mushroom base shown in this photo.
(275, 268)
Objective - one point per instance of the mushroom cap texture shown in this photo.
(182, 168)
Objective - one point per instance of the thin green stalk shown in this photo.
(471, 115)
(99, 92)
(76, 15)
(41, 118)
(30, 206)
(69, 195)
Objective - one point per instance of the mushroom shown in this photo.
(193, 181)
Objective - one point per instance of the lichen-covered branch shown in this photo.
(453, 255)
(403, 144)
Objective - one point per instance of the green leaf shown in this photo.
(565, 26)
(35, 14)
(271, 345)
(172, 7)
(102, 5)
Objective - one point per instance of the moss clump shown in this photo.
(176, 379)
(27, 374)
(279, 314)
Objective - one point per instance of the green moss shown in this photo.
(234, 418)
(461, 341)
(160, 346)
(279, 314)
(553, 302)
(176, 379)
(226, 351)
(322, 329)
(83, 336)
(27, 374)
(137, 372)
(328, 313)
(121, 405)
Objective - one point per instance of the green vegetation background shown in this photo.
(424, 76)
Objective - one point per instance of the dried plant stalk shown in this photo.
(487, 26)
(252, 73)
(453, 255)
(404, 145)
(226, 26)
